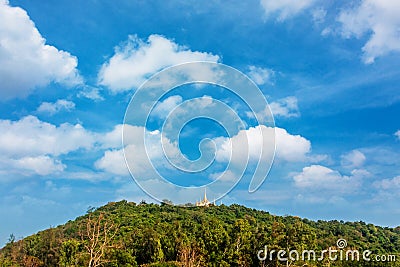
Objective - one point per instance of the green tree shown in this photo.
(240, 247)
(68, 253)
(147, 245)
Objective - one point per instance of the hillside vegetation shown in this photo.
(128, 234)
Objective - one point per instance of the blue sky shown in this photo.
(329, 70)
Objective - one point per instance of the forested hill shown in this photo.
(128, 234)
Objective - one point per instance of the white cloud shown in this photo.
(286, 107)
(388, 190)
(42, 165)
(31, 137)
(163, 108)
(285, 8)
(261, 75)
(317, 177)
(113, 162)
(353, 159)
(112, 139)
(12, 169)
(59, 105)
(254, 149)
(136, 60)
(90, 92)
(132, 135)
(291, 148)
(30, 146)
(397, 134)
(318, 158)
(26, 60)
(380, 19)
(389, 184)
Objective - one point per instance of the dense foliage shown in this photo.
(126, 234)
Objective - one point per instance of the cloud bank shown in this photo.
(26, 60)
(136, 60)
(378, 18)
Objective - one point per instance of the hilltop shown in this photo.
(129, 234)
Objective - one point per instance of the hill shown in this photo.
(126, 234)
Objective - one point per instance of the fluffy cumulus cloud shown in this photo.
(59, 105)
(30, 146)
(112, 139)
(26, 60)
(286, 107)
(254, 150)
(31, 136)
(321, 178)
(261, 75)
(379, 19)
(136, 60)
(353, 159)
(285, 8)
(41, 165)
(291, 148)
(113, 161)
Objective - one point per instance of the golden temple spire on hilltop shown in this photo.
(204, 202)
